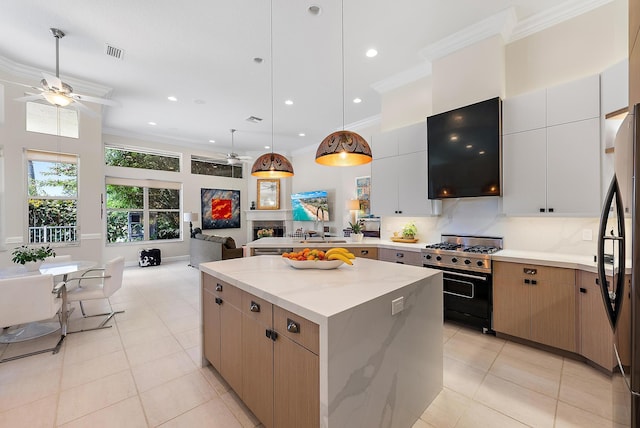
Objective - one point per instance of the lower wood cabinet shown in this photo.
(536, 303)
(268, 355)
(365, 252)
(413, 258)
(596, 335)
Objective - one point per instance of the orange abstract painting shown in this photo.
(221, 209)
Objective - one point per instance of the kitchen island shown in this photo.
(340, 356)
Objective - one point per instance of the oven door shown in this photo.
(467, 297)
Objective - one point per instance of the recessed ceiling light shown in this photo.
(357, 100)
(258, 60)
(314, 10)
(172, 98)
(371, 53)
(302, 134)
(267, 147)
(152, 123)
(288, 102)
(212, 141)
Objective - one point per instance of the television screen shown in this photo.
(310, 206)
(463, 151)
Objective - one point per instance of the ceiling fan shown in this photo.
(233, 158)
(57, 92)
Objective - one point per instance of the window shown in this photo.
(138, 158)
(47, 119)
(132, 204)
(52, 180)
(205, 166)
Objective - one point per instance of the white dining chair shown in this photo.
(97, 283)
(58, 258)
(25, 300)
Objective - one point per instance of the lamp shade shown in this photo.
(353, 205)
(343, 148)
(58, 99)
(272, 165)
(190, 217)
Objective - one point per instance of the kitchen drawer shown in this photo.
(262, 310)
(546, 274)
(307, 333)
(413, 258)
(366, 252)
(227, 292)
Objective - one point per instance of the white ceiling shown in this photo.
(203, 50)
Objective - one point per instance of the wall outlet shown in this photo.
(587, 235)
(397, 305)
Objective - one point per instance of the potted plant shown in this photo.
(31, 257)
(409, 230)
(356, 231)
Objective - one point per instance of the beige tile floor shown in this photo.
(144, 372)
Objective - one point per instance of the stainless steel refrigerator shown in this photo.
(620, 210)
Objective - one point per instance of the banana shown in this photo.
(339, 256)
(337, 250)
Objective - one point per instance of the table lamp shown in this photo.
(190, 217)
(354, 206)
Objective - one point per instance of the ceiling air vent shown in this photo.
(254, 119)
(113, 51)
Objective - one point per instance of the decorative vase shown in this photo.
(357, 237)
(33, 266)
(408, 236)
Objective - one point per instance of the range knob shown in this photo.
(438, 258)
(428, 257)
(467, 262)
(454, 260)
(480, 263)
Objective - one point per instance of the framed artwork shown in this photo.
(268, 194)
(363, 193)
(220, 208)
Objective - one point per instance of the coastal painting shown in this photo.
(220, 208)
(310, 206)
(363, 192)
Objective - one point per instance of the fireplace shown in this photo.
(277, 226)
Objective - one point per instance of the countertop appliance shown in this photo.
(621, 200)
(370, 226)
(467, 279)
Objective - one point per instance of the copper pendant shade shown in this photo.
(343, 148)
(272, 165)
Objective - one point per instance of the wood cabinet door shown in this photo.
(211, 329)
(296, 385)
(365, 252)
(553, 308)
(511, 298)
(596, 335)
(231, 346)
(257, 360)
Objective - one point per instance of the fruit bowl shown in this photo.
(313, 264)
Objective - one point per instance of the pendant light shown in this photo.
(343, 148)
(272, 165)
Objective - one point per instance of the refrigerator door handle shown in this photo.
(625, 376)
(611, 305)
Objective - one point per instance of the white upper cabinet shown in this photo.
(524, 112)
(615, 87)
(573, 101)
(551, 151)
(384, 145)
(409, 139)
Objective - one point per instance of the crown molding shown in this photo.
(504, 23)
(557, 14)
(33, 73)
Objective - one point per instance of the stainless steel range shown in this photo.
(467, 282)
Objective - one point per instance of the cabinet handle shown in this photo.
(530, 271)
(550, 210)
(218, 287)
(254, 307)
(292, 326)
(364, 252)
(527, 281)
(583, 290)
(399, 255)
(271, 334)
(218, 301)
(534, 282)
(542, 210)
(400, 263)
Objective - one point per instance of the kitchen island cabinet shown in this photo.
(339, 354)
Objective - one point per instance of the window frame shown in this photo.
(144, 151)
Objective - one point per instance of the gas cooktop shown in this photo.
(462, 252)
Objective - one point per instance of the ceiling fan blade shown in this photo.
(84, 109)
(96, 100)
(30, 98)
(53, 81)
(21, 84)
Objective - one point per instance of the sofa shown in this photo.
(209, 248)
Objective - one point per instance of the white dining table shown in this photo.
(61, 271)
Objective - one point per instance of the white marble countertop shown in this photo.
(334, 242)
(570, 261)
(314, 293)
